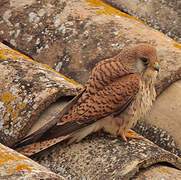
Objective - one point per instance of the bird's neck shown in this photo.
(147, 94)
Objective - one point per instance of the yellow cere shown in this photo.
(155, 63)
(109, 10)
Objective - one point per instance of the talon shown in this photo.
(132, 134)
(122, 134)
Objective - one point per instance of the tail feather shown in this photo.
(75, 136)
(37, 147)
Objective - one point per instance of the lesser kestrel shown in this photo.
(120, 91)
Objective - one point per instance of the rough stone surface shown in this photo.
(159, 136)
(26, 89)
(16, 166)
(102, 157)
(163, 15)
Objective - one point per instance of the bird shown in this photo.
(119, 92)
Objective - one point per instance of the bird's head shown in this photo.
(146, 58)
(142, 59)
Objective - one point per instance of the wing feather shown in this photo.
(105, 101)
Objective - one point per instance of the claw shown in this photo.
(131, 134)
(122, 134)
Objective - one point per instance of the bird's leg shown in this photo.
(131, 134)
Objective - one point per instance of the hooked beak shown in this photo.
(156, 66)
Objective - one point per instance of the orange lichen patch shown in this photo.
(176, 44)
(4, 55)
(109, 10)
(6, 127)
(9, 108)
(16, 53)
(3, 148)
(21, 106)
(48, 21)
(5, 157)
(23, 167)
(163, 171)
(10, 171)
(6, 97)
(14, 122)
(14, 113)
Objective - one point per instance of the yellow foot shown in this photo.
(132, 134)
(129, 134)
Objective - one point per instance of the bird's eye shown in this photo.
(145, 60)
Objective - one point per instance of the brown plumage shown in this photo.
(119, 91)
